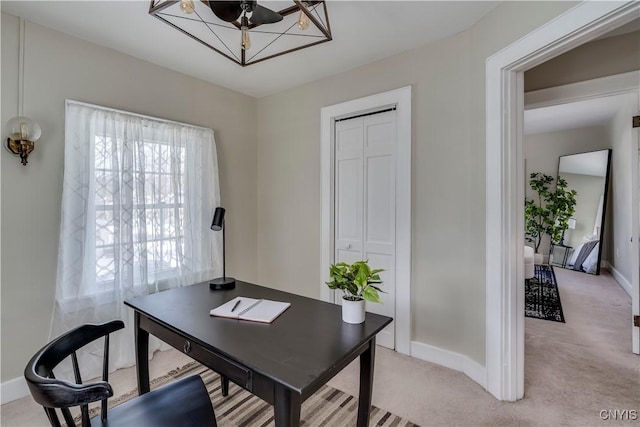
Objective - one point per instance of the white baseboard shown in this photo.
(449, 359)
(622, 281)
(13, 389)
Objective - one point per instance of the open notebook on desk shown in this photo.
(256, 310)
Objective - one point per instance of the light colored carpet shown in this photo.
(573, 370)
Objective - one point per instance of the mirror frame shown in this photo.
(604, 201)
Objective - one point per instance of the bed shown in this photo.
(585, 257)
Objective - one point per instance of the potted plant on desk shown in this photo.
(358, 283)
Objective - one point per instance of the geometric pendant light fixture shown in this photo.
(245, 31)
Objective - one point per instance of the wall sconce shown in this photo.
(23, 132)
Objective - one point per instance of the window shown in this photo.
(159, 240)
(138, 198)
(137, 201)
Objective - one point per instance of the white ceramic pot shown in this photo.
(538, 258)
(352, 311)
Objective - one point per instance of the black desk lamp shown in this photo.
(224, 282)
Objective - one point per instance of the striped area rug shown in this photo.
(327, 407)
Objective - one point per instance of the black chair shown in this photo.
(182, 403)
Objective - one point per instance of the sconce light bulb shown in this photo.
(24, 130)
(187, 6)
(303, 20)
(246, 41)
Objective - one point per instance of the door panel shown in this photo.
(365, 199)
(348, 191)
(349, 201)
(380, 192)
(380, 208)
(387, 308)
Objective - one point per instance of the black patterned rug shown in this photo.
(541, 296)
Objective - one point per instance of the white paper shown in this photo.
(256, 310)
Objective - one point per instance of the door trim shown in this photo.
(581, 91)
(504, 306)
(401, 98)
(635, 232)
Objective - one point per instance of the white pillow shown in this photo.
(574, 254)
(591, 263)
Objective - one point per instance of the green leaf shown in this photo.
(377, 289)
(371, 294)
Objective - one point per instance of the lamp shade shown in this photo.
(221, 283)
(572, 223)
(23, 129)
(218, 219)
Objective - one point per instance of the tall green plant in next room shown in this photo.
(562, 205)
(549, 213)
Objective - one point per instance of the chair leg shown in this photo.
(53, 417)
(224, 385)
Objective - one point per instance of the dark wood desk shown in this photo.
(283, 362)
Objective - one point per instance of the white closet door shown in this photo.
(365, 201)
(349, 190)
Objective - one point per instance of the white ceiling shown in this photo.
(574, 115)
(363, 32)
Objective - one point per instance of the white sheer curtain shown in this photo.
(138, 197)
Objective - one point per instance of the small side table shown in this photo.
(565, 256)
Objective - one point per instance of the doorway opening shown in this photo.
(506, 182)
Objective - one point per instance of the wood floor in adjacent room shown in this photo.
(573, 370)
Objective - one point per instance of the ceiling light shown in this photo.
(244, 28)
(303, 19)
(187, 6)
(230, 28)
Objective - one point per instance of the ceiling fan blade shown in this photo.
(262, 15)
(228, 11)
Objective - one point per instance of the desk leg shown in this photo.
(224, 385)
(142, 356)
(286, 407)
(367, 360)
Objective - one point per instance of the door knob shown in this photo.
(348, 245)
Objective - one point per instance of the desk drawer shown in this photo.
(233, 371)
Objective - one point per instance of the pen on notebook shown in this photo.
(235, 306)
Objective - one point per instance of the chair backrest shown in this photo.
(54, 393)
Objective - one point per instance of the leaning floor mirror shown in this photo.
(580, 247)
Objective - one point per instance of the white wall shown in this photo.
(621, 136)
(598, 58)
(542, 153)
(448, 174)
(58, 66)
(274, 232)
